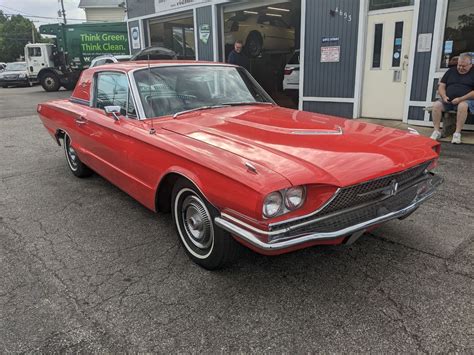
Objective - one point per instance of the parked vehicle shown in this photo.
(291, 77)
(259, 33)
(206, 142)
(154, 53)
(15, 73)
(108, 59)
(61, 63)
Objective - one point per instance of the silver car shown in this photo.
(108, 59)
(15, 73)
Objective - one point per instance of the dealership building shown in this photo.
(356, 58)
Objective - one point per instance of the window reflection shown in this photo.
(459, 31)
(386, 4)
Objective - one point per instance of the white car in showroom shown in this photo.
(259, 33)
(291, 76)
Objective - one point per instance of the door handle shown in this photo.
(81, 120)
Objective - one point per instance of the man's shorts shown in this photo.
(450, 107)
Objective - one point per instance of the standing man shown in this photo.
(456, 90)
(237, 57)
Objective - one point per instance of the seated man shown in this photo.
(456, 89)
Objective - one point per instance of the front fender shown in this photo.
(47, 70)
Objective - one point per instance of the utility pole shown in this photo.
(33, 31)
(64, 12)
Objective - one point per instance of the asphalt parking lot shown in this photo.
(86, 268)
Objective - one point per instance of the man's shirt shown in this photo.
(238, 59)
(458, 85)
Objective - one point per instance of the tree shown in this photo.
(15, 33)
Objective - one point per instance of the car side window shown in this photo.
(111, 89)
(263, 20)
(131, 111)
(277, 22)
(34, 51)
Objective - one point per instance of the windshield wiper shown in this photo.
(199, 108)
(247, 103)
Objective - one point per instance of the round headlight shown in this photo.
(22, 75)
(272, 204)
(294, 197)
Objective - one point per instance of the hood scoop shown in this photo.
(337, 130)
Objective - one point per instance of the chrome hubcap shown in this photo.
(71, 153)
(197, 222)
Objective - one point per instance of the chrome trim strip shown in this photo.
(276, 245)
(309, 132)
(79, 101)
(136, 95)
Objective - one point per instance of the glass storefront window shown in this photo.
(459, 31)
(175, 33)
(387, 4)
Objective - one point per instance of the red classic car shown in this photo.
(204, 141)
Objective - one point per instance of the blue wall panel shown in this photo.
(421, 68)
(329, 108)
(330, 79)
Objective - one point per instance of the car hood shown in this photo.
(306, 147)
(13, 72)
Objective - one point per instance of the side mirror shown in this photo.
(114, 110)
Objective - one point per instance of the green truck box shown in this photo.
(60, 64)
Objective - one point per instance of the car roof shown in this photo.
(112, 56)
(133, 65)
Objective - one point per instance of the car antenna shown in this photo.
(152, 129)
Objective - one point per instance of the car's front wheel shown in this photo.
(205, 243)
(78, 168)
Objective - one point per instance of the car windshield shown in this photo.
(170, 90)
(295, 59)
(15, 66)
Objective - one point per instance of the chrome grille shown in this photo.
(350, 197)
(369, 191)
(355, 216)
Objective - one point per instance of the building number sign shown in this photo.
(342, 13)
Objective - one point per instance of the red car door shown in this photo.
(108, 139)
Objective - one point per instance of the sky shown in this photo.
(44, 8)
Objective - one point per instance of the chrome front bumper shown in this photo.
(292, 236)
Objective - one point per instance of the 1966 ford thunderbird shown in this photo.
(204, 141)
